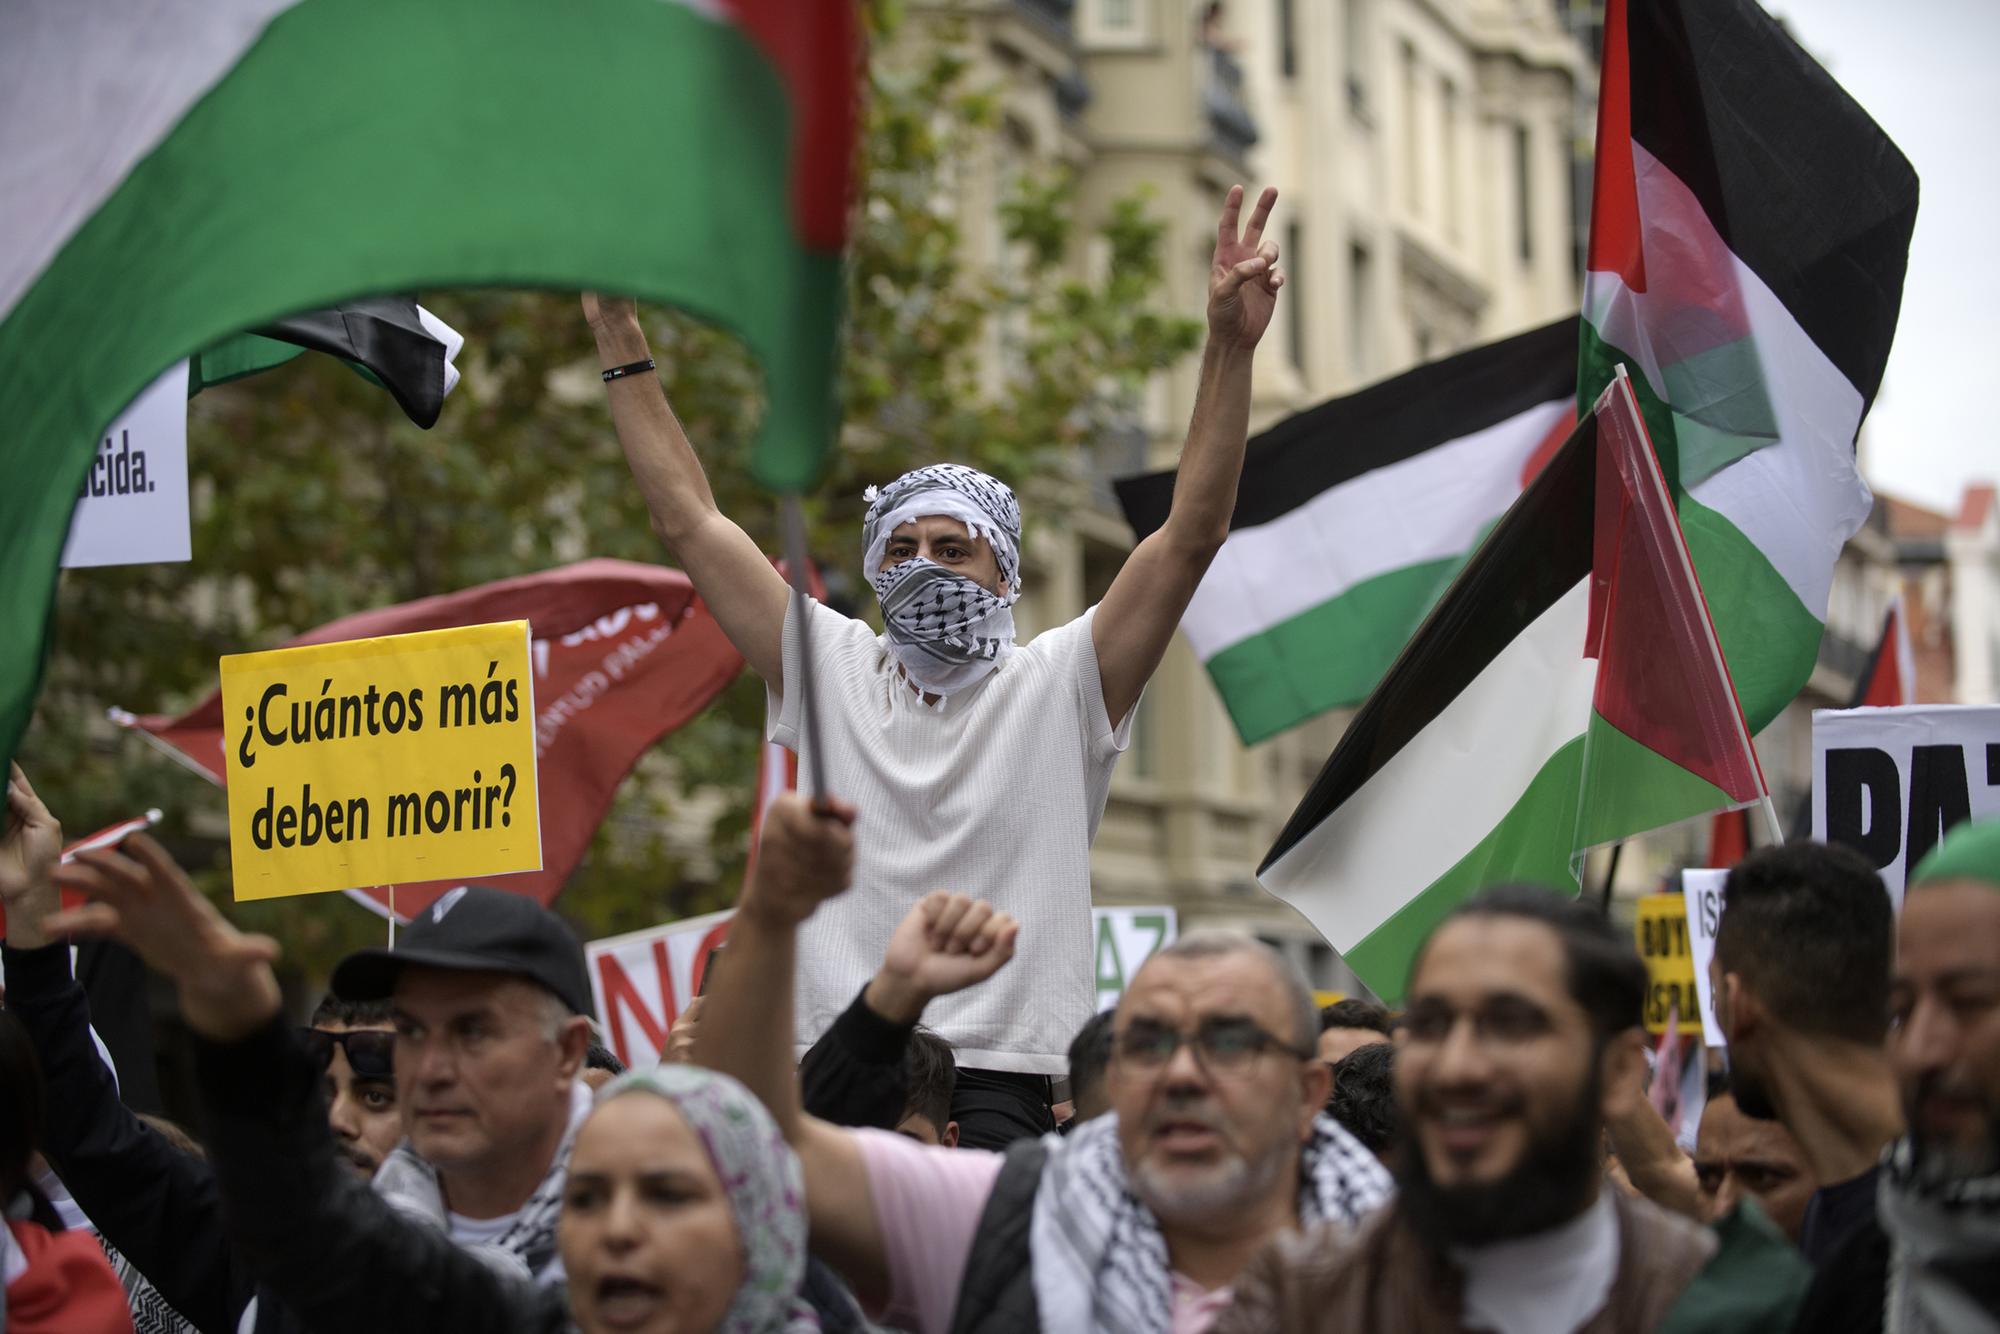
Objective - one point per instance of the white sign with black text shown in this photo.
(133, 509)
(1702, 888)
(1889, 782)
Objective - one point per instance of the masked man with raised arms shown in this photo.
(983, 763)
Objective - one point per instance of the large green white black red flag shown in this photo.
(172, 175)
(1749, 234)
(1750, 225)
(1567, 691)
(1353, 516)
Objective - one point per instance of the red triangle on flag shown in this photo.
(1661, 679)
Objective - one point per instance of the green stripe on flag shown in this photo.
(561, 157)
(1636, 788)
(1531, 843)
(1329, 656)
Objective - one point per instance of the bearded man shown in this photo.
(1520, 1042)
(983, 763)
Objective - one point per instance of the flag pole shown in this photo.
(1611, 876)
(794, 523)
(1770, 809)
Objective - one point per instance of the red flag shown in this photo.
(1729, 839)
(1661, 679)
(1891, 675)
(623, 653)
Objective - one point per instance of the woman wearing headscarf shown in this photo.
(683, 1209)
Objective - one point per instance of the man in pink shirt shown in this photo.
(1139, 1221)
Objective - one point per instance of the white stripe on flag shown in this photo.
(1802, 498)
(1428, 507)
(1449, 786)
(72, 129)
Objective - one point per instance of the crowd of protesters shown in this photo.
(892, 1107)
(428, 1153)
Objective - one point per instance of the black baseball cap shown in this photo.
(475, 928)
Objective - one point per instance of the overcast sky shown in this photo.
(1929, 73)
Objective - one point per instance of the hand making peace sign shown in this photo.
(1243, 278)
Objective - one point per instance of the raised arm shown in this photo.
(737, 580)
(854, 1074)
(1137, 618)
(746, 1027)
(304, 1224)
(157, 1205)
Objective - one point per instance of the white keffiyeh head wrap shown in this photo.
(945, 630)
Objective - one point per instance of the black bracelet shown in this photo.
(632, 368)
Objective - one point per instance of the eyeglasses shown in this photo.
(1220, 1045)
(371, 1052)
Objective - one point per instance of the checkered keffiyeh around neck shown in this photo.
(946, 630)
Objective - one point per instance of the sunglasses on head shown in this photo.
(370, 1052)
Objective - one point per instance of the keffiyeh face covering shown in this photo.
(944, 629)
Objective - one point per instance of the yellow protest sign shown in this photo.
(377, 761)
(1661, 933)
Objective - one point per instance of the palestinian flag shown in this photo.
(1749, 230)
(388, 339)
(1352, 517)
(1567, 691)
(171, 176)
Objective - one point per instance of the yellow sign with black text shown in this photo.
(1661, 933)
(381, 761)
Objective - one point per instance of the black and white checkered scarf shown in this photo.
(1100, 1259)
(945, 630)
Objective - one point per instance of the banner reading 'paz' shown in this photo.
(288, 155)
(1566, 692)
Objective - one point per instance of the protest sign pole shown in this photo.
(392, 917)
(795, 566)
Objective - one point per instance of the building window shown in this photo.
(1354, 54)
(1360, 312)
(1289, 263)
(1524, 194)
(1449, 113)
(1413, 197)
(1118, 15)
(1288, 39)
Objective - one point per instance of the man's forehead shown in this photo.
(1179, 987)
(1949, 925)
(1474, 957)
(932, 524)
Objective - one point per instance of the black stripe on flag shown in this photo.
(383, 334)
(1536, 553)
(1400, 418)
(1795, 177)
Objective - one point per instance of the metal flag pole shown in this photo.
(796, 566)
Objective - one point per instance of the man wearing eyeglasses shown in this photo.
(1141, 1219)
(1521, 1040)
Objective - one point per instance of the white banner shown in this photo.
(1702, 888)
(1889, 782)
(1126, 938)
(640, 982)
(133, 509)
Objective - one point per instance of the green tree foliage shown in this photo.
(314, 498)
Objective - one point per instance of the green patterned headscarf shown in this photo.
(1969, 851)
(766, 1190)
